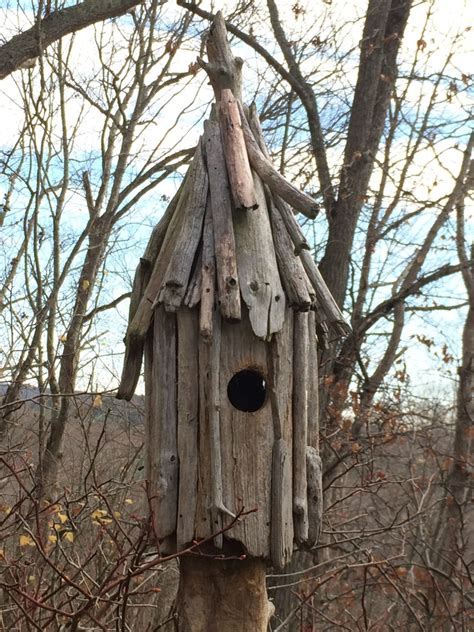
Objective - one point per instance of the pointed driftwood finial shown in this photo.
(224, 70)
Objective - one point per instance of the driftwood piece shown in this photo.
(300, 425)
(188, 420)
(254, 122)
(134, 349)
(208, 276)
(292, 226)
(258, 270)
(141, 321)
(282, 519)
(161, 426)
(193, 293)
(204, 527)
(149, 397)
(280, 384)
(224, 70)
(247, 442)
(328, 304)
(292, 273)
(314, 474)
(236, 158)
(227, 278)
(181, 260)
(313, 384)
(277, 183)
(218, 509)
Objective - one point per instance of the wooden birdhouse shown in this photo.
(227, 309)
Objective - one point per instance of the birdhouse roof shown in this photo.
(229, 238)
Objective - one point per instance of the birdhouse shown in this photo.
(227, 310)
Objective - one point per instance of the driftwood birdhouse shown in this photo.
(227, 309)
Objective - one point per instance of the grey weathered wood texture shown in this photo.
(247, 442)
(175, 281)
(235, 151)
(226, 261)
(260, 283)
(208, 277)
(228, 284)
(161, 430)
(188, 423)
(300, 425)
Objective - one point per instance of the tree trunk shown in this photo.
(222, 595)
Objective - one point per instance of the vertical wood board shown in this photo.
(300, 425)
(224, 240)
(188, 420)
(247, 442)
(162, 452)
(258, 270)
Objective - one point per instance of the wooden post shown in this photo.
(222, 596)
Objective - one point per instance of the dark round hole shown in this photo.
(247, 391)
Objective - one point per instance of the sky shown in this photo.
(447, 22)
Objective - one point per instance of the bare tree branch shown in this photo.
(29, 44)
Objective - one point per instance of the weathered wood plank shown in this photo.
(328, 304)
(221, 205)
(282, 516)
(183, 255)
(235, 152)
(258, 270)
(247, 442)
(203, 527)
(315, 495)
(134, 348)
(292, 226)
(161, 428)
(218, 510)
(193, 292)
(141, 321)
(188, 421)
(300, 425)
(313, 384)
(277, 183)
(251, 115)
(280, 385)
(292, 273)
(208, 276)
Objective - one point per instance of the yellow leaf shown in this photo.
(53, 538)
(63, 517)
(97, 403)
(117, 514)
(69, 536)
(128, 501)
(63, 338)
(26, 540)
(98, 513)
(85, 284)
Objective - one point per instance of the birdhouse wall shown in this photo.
(207, 460)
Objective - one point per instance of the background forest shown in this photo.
(366, 106)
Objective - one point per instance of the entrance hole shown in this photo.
(247, 391)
